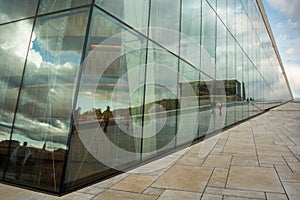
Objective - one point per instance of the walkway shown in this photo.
(258, 159)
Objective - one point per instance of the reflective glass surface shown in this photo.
(132, 12)
(48, 6)
(16, 9)
(43, 115)
(14, 42)
(110, 102)
(89, 90)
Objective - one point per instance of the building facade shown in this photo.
(90, 88)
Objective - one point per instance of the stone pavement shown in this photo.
(257, 159)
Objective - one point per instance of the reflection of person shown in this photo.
(220, 108)
(19, 158)
(213, 105)
(76, 117)
(107, 114)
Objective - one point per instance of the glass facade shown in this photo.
(90, 88)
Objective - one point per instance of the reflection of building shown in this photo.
(203, 89)
(162, 72)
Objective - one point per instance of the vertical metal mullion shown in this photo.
(178, 71)
(200, 52)
(145, 82)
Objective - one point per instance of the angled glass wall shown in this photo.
(91, 88)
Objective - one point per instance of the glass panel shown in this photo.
(47, 6)
(189, 102)
(45, 105)
(221, 51)
(240, 97)
(246, 72)
(20, 8)
(208, 38)
(161, 101)
(107, 135)
(133, 12)
(206, 108)
(165, 23)
(14, 41)
(231, 15)
(222, 10)
(191, 19)
(239, 26)
(232, 85)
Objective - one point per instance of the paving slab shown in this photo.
(186, 178)
(254, 178)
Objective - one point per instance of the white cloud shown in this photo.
(293, 71)
(290, 8)
(291, 51)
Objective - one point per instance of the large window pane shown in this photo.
(164, 21)
(14, 41)
(191, 19)
(45, 105)
(106, 140)
(161, 101)
(232, 86)
(241, 100)
(208, 40)
(189, 102)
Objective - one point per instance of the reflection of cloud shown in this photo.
(53, 131)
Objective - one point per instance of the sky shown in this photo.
(284, 18)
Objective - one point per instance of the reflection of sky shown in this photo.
(47, 56)
(37, 144)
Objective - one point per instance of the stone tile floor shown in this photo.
(257, 159)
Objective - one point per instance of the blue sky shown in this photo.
(284, 18)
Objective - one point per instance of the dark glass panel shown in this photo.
(14, 41)
(16, 9)
(108, 140)
(47, 6)
(45, 105)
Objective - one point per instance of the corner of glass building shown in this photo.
(93, 88)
